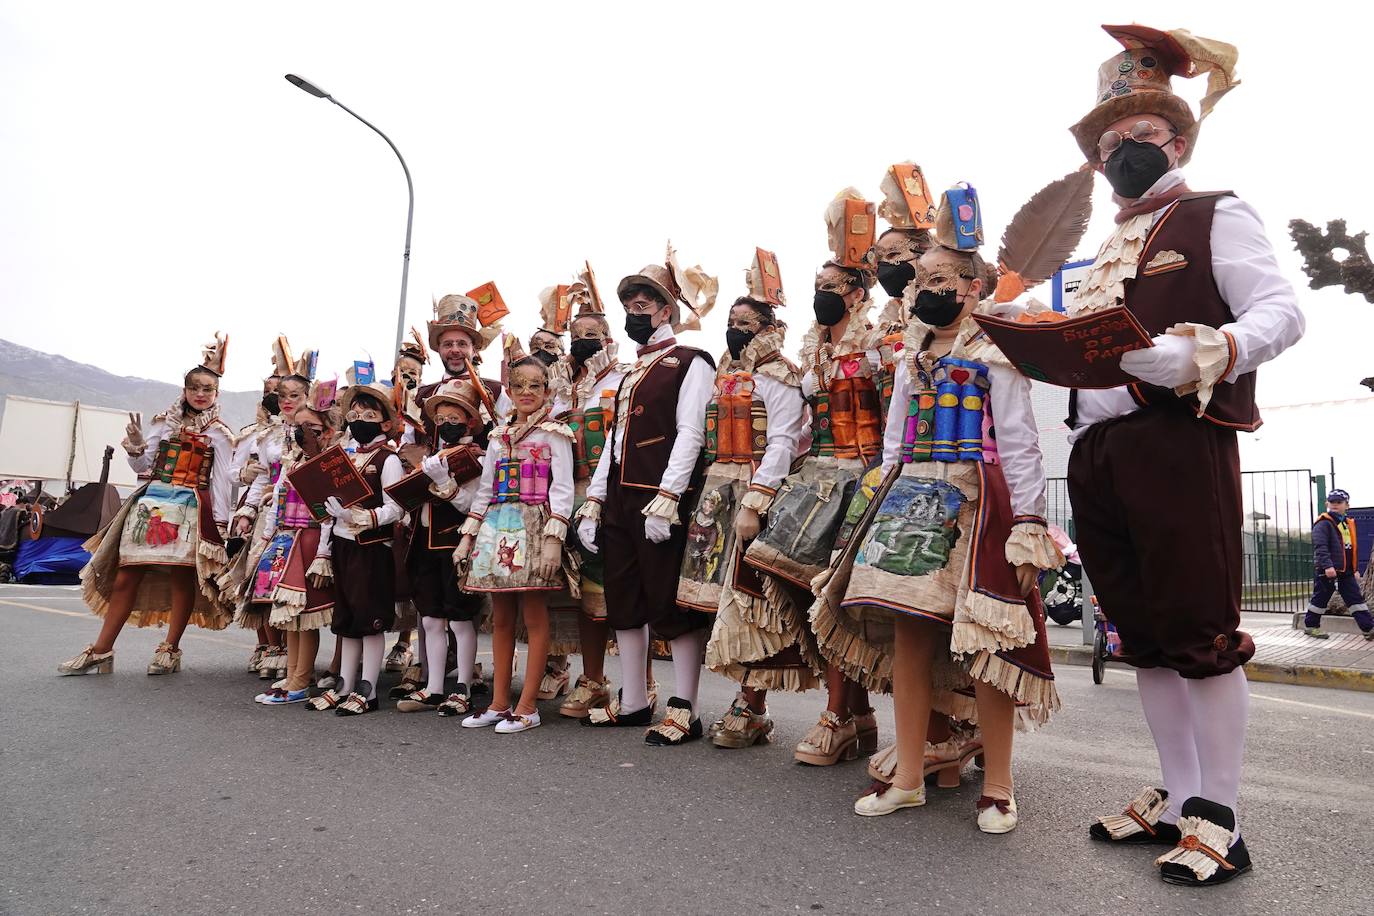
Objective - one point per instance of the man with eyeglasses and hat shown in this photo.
(1334, 543)
(1154, 475)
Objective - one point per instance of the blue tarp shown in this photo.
(50, 560)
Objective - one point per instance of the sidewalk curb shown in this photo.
(1260, 672)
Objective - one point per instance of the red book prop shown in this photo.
(412, 491)
(1082, 352)
(330, 473)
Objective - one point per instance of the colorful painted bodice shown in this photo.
(185, 460)
(292, 511)
(589, 439)
(736, 422)
(847, 418)
(524, 477)
(948, 416)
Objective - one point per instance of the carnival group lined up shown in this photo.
(856, 523)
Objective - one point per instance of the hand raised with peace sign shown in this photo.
(134, 442)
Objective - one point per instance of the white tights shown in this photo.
(436, 650)
(634, 657)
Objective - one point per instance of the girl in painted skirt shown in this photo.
(844, 383)
(302, 583)
(934, 588)
(754, 425)
(155, 563)
(512, 543)
(359, 542)
(585, 404)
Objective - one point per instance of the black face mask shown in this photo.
(1135, 167)
(640, 328)
(937, 310)
(307, 441)
(830, 308)
(737, 339)
(894, 277)
(452, 432)
(271, 403)
(364, 431)
(412, 383)
(584, 348)
(545, 357)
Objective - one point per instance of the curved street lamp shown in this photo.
(306, 86)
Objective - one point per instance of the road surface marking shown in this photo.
(53, 610)
(1335, 709)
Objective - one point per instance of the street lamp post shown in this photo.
(307, 86)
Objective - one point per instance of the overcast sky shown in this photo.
(162, 180)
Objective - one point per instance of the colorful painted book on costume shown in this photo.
(330, 473)
(1082, 352)
(916, 192)
(412, 491)
(860, 218)
(769, 275)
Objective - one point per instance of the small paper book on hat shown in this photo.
(555, 309)
(764, 280)
(361, 373)
(490, 306)
(850, 229)
(907, 202)
(959, 221)
(214, 354)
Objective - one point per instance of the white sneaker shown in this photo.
(891, 799)
(486, 718)
(513, 724)
(997, 816)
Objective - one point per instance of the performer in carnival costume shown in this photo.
(245, 469)
(1197, 271)
(406, 377)
(844, 383)
(455, 410)
(512, 545)
(302, 580)
(364, 565)
(636, 497)
(156, 562)
(754, 427)
(935, 584)
(251, 577)
(584, 387)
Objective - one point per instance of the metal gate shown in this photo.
(1276, 531)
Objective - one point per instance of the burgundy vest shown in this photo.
(651, 419)
(1183, 289)
(372, 475)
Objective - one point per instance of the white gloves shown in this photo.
(657, 529)
(1170, 363)
(336, 508)
(586, 535)
(358, 518)
(436, 469)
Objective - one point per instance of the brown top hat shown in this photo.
(456, 312)
(459, 392)
(689, 287)
(1137, 81)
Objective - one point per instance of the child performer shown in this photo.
(512, 546)
(156, 562)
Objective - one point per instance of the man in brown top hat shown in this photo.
(656, 436)
(1155, 473)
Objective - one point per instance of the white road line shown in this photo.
(1335, 709)
(88, 614)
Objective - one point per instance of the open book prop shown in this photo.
(412, 491)
(1082, 352)
(330, 473)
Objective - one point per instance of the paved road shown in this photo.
(126, 794)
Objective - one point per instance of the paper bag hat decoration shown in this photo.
(555, 309)
(361, 373)
(491, 308)
(323, 395)
(455, 312)
(214, 353)
(764, 279)
(691, 288)
(907, 203)
(414, 348)
(850, 227)
(283, 364)
(959, 221)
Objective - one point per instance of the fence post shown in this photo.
(1320, 481)
(1089, 625)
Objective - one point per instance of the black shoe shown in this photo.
(356, 704)
(1142, 816)
(678, 726)
(612, 717)
(1195, 862)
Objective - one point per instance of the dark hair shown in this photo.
(763, 309)
(296, 378)
(363, 399)
(599, 319)
(858, 278)
(636, 289)
(199, 370)
(531, 362)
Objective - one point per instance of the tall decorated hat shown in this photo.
(1137, 80)
(555, 309)
(764, 280)
(461, 313)
(688, 288)
(584, 295)
(907, 201)
(850, 224)
(414, 348)
(214, 353)
(959, 219)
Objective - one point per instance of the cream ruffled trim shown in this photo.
(1214, 836)
(244, 511)
(590, 509)
(759, 502)
(471, 525)
(1030, 542)
(987, 624)
(445, 492)
(663, 507)
(1116, 262)
(1036, 697)
(556, 528)
(853, 341)
(322, 567)
(1149, 805)
(596, 369)
(1213, 357)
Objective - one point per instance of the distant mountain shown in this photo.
(35, 374)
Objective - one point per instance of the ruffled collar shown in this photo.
(175, 420)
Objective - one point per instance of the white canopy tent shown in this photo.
(61, 440)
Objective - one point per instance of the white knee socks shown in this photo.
(1220, 707)
(435, 641)
(689, 651)
(374, 647)
(465, 633)
(1165, 699)
(351, 650)
(634, 655)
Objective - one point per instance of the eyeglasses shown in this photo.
(202, 389)
(1141, 132)
(526, 387)
(753, 325)
(643, 308)
(366, 413)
